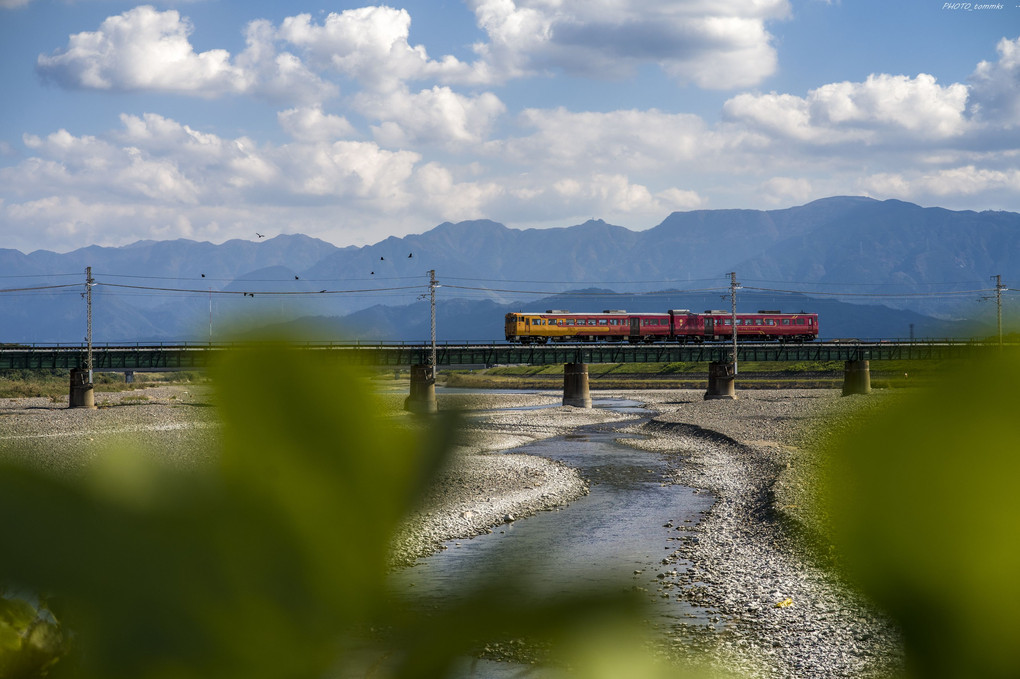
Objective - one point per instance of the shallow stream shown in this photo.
(619, 533)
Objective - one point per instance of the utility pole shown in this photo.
(89, 282)
(999, 287)
(733, 316)
(432, 316)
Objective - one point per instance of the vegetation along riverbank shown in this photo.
(753, 375)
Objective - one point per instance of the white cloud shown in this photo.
(883, 108)
(145, 49)
(90, 165)
(157, 159)
(633, 140)
(674, 199)
(435, 116)
(311, 124)
(11, 4)
(995, 87)
(716, 45)
(369, 44)
(160, 135)
(278, 76)
(784, 190)
(142, 49)
(349, 169)
(610, 196)
(443, 195)
(950, 182)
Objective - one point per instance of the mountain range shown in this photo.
(876, 268)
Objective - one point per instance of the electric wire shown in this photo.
(249, 293)
(41, 287)
(466, 290)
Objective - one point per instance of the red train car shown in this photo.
(678, 325)
(762, 326)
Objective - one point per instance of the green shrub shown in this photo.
(274, 562)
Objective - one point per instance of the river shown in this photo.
(620, 532)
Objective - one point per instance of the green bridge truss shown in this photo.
(154, 358)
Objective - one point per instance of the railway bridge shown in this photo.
(129, 358)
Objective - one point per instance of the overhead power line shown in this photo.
(41, 287)
(250, 293)
(819, 293)
(582, 293)
(256, 280)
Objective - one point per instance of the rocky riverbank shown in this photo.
(779, 615)
(174, 423)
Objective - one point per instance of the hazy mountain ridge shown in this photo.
(830, 245)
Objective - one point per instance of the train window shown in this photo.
(591, 321)
(786, 321)
(757, 321)
(614, 322)
(727, 322)
(603, 321)
(570, 321)
(801, 321)
(770, 321)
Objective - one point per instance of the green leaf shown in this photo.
(924, 502)
(272, 560)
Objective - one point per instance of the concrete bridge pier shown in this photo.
(82, 394)
(721, 380)
(856, 377)
(423, 390)
(575, 385)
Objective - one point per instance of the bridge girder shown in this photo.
(188, 357)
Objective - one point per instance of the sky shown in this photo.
(218, 119)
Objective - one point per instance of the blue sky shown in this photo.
(216, 119)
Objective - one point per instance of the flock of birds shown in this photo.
(260, 236)
(382, 259)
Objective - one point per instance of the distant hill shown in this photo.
(845, 249)
(482, 320)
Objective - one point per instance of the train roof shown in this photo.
(607, 312)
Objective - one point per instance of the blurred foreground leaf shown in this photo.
(924, 501)
(273, 561)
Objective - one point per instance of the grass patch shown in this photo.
(753, 375)
(56, 384)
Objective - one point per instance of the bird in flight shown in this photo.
(259, 234)
(410, 255)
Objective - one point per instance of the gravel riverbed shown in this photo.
(778, 614)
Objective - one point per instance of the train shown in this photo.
(675, 325)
